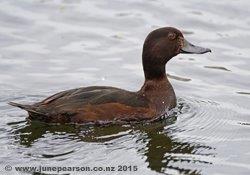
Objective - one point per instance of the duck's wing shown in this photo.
(92, 101)
(95, 95)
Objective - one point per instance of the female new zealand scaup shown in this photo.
(102, 104)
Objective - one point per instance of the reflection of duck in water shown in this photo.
(161, 149)
(98, 104)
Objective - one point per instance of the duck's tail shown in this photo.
(29, 108)
(25, 107)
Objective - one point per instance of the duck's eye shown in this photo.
(171, 36)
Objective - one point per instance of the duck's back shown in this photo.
(92, 104)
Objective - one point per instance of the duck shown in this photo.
(104, 104)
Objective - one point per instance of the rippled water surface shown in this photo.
(47, 46)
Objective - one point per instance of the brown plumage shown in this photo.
(101, 104)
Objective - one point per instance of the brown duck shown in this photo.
(102, 104)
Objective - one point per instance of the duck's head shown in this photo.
(161, 45)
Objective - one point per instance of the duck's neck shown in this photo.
(153, 65)
(154, 72)
(157, 88)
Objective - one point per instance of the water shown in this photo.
(49, 46)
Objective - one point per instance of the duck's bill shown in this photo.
(189, 48)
